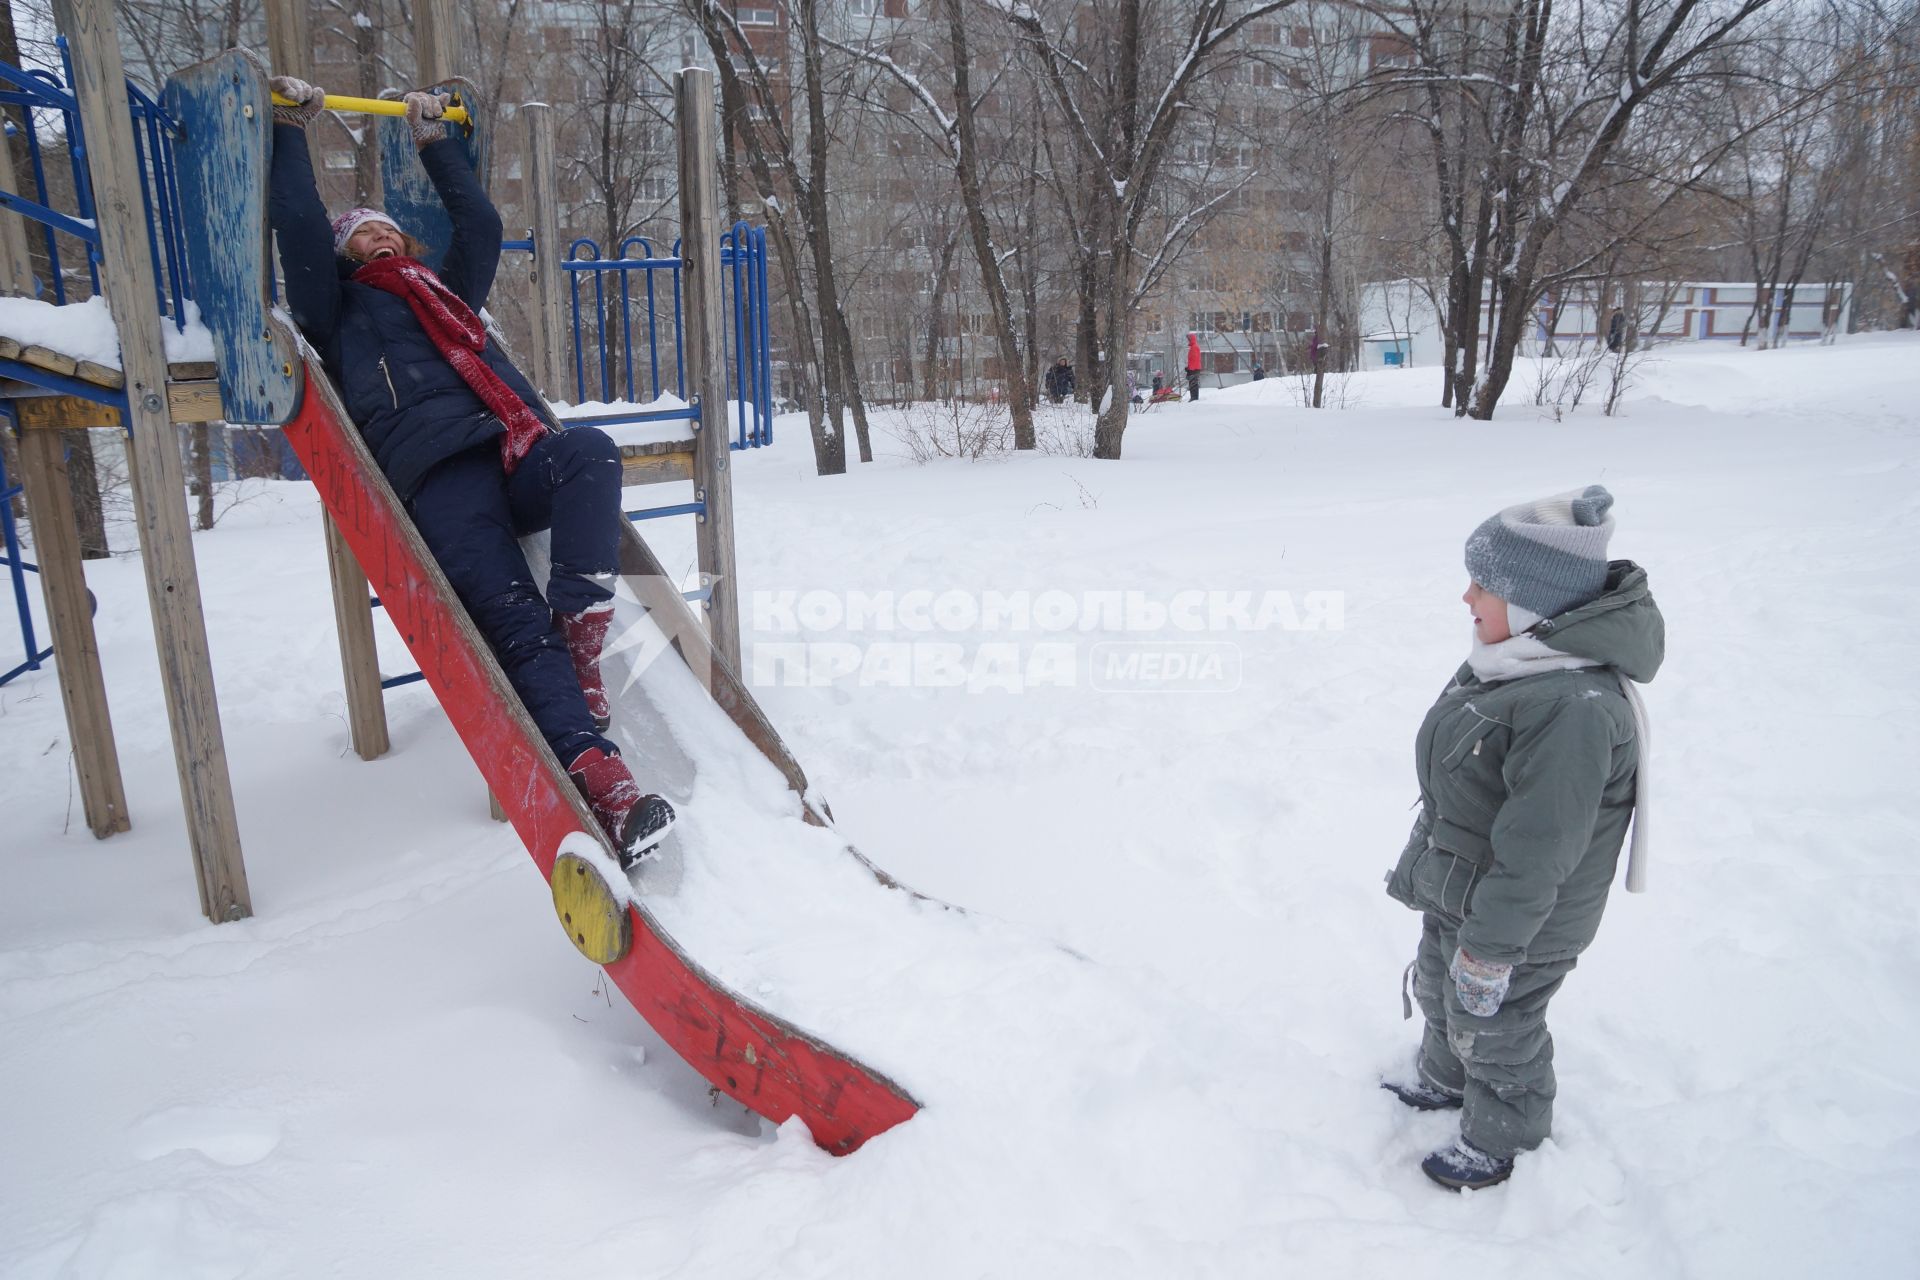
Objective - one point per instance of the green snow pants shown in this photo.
(1503, 1065)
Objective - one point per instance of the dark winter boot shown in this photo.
(1465, 1167)
(1422, 1096)
(635, 823)
(586, 635)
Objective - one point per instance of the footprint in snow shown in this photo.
(224, 1135)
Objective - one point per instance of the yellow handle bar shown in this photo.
(373, 107)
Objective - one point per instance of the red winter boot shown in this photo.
(586, 636)
(635, 823)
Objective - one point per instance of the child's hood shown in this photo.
(1621, 628)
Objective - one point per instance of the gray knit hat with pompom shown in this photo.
(1547, 556)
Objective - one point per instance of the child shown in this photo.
(1530, 768)
(467, 443)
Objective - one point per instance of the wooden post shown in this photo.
(292, 53)
(16, 278)
(159, 487)
(706, 355)
(436, 41)
(549, 313)
(76, 653)
(16, 263)
(289, 39)
(359, 657)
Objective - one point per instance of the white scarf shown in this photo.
(1523, 655)
(1519, 656)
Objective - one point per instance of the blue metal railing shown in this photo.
(50, 119)
(18, 568)
(613, 313)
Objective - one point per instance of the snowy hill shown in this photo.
(1150, 1047)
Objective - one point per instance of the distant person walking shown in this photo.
(1193, 366)
(1060, 380)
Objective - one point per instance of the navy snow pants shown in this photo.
(471, 513)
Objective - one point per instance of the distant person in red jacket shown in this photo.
(1193, 366)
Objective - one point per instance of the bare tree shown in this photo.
(792, 188)
(1123, 97)
(958, 132)
(1527, 107)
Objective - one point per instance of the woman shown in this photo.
(466, 442)
(1531, 765)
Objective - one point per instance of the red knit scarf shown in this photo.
(458, 334)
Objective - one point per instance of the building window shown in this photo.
(757, 17)
(1389, 51)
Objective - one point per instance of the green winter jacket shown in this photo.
(1526, 786)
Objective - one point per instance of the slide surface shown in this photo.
(749, 1053)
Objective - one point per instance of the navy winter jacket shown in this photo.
(408, 402)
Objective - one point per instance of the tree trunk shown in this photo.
(1111, 424)
(941, 275)
(841, 365)
(966, 164)
(1321, 347)
(805, 366)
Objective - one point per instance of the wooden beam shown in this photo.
(159, 487)
(37, 411)
(88, 370)
(706, 354)
(50, 360)
(289, 42)
(549, 312)
(359, 656)
(16, 262)
(16, 280)
(76, 653)
(436, 41)
(63, 579)
(656, 468)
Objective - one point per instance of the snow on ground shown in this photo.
(1150, 1049)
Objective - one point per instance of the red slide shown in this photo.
(752, 1055)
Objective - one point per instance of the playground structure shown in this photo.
(206, 143)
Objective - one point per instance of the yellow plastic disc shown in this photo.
(595, 920)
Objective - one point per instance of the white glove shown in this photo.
(423, 116)
(1481, 986)
(308, 101)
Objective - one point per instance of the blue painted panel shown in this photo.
(410, 198)
(226, 120)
